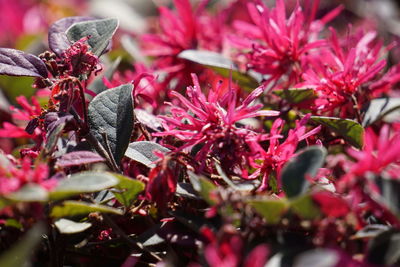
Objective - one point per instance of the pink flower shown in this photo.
(27, 113)
(227, 251)
(278, 153)
(210, 122)
(16, 175)
(188, 29)
(344, 73)
(380, 155)
(277, 43)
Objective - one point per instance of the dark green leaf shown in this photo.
(270, 209)
(66, 226)
(20, 253)
(382, 108)
(306, 163)
(390, 193)
(350, 130)
(84, 182)
(29, 193)
(371, 231)
(111, 112)
(384, 250)
(221, 65)
(186, 190)
(295, 95)
(143, 152)
(100, 31)
(72, 208)
(130, 189)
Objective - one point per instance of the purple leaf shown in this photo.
(17, 63)
(78, 158)
(58, 40)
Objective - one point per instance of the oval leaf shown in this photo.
(17, 63)
(72, 208)
(111, 112)
(143, 152)
(270, 209)
(84, 182)
(296, 96)
(29, 193)
(78, 158)
(100, 31)
(295, 172)
(130, 189)
(58, 41)
(305, 207)
(382, 108)
(221, 65)
(66, 226)
(350, 130)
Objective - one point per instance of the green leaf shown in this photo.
(305, 207)
(83, 182)
(387, 109)
(143, 152)
(203, 186)
(72, 208)
(350, 130)
(20, 253)
(66, 226)
(306, 163)
(130, 189)
(221, 65)
(111, 112)
(271, 209)
(29, 193)
(13, 223)
(295, 95)
(100, 31)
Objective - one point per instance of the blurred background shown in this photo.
(24, 26)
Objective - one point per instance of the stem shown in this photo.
(355, 106)
(83, 99)
(109, 152)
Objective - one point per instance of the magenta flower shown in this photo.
(347, 73)
(227, 250)
(277, 43)
(24, 115)
(278, 153)
(79, 60)
(210, 122)
(188, 29)
(16, 175)
(380, 155)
